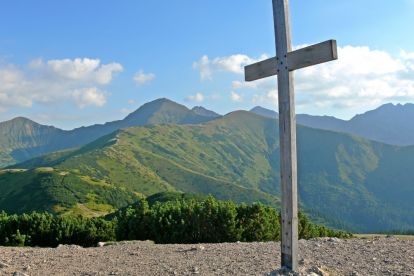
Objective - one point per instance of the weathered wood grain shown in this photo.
(283, 65)
(287, 132)
(308, 56)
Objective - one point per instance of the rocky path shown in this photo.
(376, 256)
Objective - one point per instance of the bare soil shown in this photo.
(324, 256)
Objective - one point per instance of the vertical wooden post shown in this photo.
(282, 65)
(287, 132)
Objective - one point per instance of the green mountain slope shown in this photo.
(22, 139)
(350, 182)
(59, 191)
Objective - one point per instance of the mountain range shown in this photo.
(22, 139)
(346, 181)
(389, 123)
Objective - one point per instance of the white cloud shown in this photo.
(235, 97)
(142, 78)
(267, 98)
(409, 59)
(198, 97)
(243, 84)
(131, 101)
(89, 97)
(204, 66)
(361, 78)
(233, 64)
(264, 84)
(56, 81)
(78, 69)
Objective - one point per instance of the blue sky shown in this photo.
(73, 63)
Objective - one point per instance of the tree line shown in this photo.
(205, 220)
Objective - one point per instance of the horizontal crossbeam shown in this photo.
(308, 56)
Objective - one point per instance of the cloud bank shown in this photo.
(360, 78)
(80, 81)
(233, 64)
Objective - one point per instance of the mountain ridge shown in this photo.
(389, 123)
(349, 181)
(50, 139)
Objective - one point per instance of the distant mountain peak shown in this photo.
(19, 122)
(205, 112)
(20, 119)
(264, 112)
(389, 110)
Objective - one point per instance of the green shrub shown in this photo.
(132, 222)
(43, 229)
(258, 223)
(191, 221)
(185, 220)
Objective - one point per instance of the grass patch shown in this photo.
(89, 209)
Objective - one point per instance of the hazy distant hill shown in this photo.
(22, 139)
(351, 182)
(391, 124)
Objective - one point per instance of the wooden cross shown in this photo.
(282, 65)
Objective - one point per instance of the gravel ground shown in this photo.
(324, 256)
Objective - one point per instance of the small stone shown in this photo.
(334, 240)
(195, 270)
(318, 271)
(200, 247)
(374, 259)
(18, 273)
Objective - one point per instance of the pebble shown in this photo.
(18, 273)
(195, 270)
(334, 240)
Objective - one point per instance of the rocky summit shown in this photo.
(322, 256)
